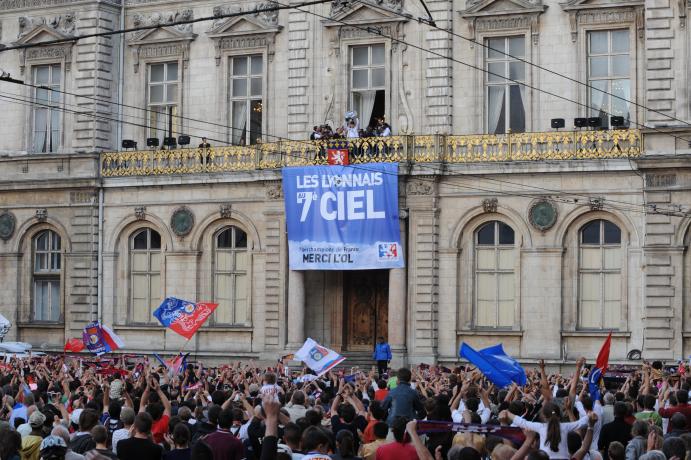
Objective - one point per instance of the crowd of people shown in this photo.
(351, 129)
(58, 407)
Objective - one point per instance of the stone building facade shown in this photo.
(543, 240)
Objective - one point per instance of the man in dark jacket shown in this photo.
(82, 440)
(403, 401)
(382, 355)
(616, 430)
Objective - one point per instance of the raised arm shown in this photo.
(422, 451)
(575, 377)
(544, 384)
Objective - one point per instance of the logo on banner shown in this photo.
(337, 157)
(317, 353)
(388, 251)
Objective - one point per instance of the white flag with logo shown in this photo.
(318, 358)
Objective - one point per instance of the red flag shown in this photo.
(187, 324)
(74, 345)
(337, 156)
(602, 361)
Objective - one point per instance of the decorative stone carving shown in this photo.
(7, 225)
(64, 24)
(582, 14)
(340, 6)
(522, 14)
(41, 214)
(270, 18)
(490, 205)
(596, 203)
(6, 5)
(419, 188)
(274, 192)
(226, 210)
(163, 18)
(542, 214)
(140, 212)
(182, 221)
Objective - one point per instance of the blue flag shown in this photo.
(495, 364)
(594, 383)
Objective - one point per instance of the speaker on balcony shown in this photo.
(152, 141)
(169, 142)
(616, 121)
(183, 140)
(129, 144)
(580, 122)
(595, 122)
(557, 123)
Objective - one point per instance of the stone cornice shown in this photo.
(9, 5)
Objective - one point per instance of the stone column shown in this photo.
(397, 316)
(296, 309)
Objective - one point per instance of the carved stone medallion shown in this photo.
(542, 215)
(182, 221)
(7, 225)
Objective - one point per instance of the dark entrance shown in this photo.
(366, 308)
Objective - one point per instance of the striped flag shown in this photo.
(318, 358)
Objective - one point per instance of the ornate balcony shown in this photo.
(575, 145)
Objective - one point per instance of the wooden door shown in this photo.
(366, 305)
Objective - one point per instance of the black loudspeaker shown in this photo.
(594, 122)
(169, 141)
(129, 144)
(580, 122)
(616, 121)
(152, 141)
(184, 140)
(558, 123)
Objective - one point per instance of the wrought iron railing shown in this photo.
(566, 145)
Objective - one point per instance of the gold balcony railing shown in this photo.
(574, 145)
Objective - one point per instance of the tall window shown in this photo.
(230, 277)
(163, 97)
(495, 256)
(504, 98)
(246, 100)
(599, 273)
(368, 82)
(145, 274)
(47, 265)
(609, 71)
(46, 114)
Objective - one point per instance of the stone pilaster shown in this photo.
(298, 73)
(296, 309)
(439, 70)
(660, 54)
(273, 293)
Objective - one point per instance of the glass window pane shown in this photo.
(621, 88)
(486, 259)
(155, 265)
(139, 241)
(41, 262)
(516, 109)
(140, 261)
(620, 41)
(378, 55)
(360, 80)
(240, 65)
(42, 241)
(240, 238)
(598, 42)
(224, 239)
(612, 315)
(42, 75)
(590, 314)
(517, 46)
(496, 48)
(360, 55)
(598, 66)
(517, 71)
(240, 287)
(224, 261)
(157, 73)
(256, 87)
(56, 75)
(486, 286)
(590, 287)
(506, 286)
(42, 96)
(171, 93)
(155, 294)
(506, 309)
(239, 87)
(612, 233)
(486, 313)
(257, 66)
(612, 258)
(506, 235)
(485, 235)
(54, 300)
(506, 259)
(591, 258)
(242, 259)
(378, 76)
(256, 110)
(55, 261)
(590, 233)
(598, 97)
(497, 71)
(620, 65)
(612, 286)
(172, 71)
(155, 94)
(239, 121)
(155, 240)
(39, 300)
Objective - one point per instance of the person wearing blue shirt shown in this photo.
(382, 355)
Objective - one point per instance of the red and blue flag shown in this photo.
(182, 316)
(100, 339)
(601, 365)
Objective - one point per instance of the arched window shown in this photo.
(599, 275)
(145, 275)
(231, 263)
(47, 265)
(495, 293)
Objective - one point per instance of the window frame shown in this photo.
(632, 52)
(497, 247)
(248, 98)
(57, 106)
(153, 108)
(506, 84)
(50, 275)
(148, 273)
(601, 272)
(347, 49)
(213, 321)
